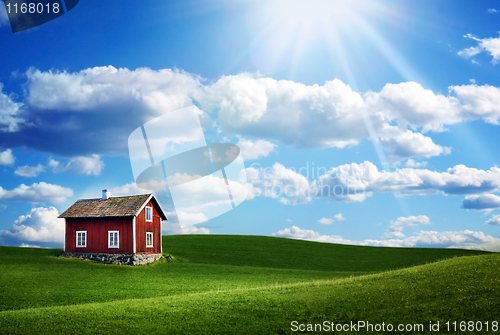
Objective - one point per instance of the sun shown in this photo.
(288, 29)
(289, 32)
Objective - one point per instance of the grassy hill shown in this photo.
(245, 284)
(285, 253)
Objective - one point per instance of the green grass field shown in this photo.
(247, 284)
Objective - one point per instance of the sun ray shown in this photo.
(390, 53)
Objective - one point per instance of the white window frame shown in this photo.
(84, 232)
(150, 210)
(151, 239)
(117, 244)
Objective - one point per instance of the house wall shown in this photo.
(153, 227)
(97, 235)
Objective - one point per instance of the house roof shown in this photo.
(112, 207)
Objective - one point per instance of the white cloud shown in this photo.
(208, 192)
(118, 191)
(409, 104)
(78, 165)
(6, 157)
(310, 235)
(289, 220)
(411, 163)
(284, 201)
(339, 217)
(430, 239)
(333, 115)
(410, 144)
(93, 110)
(255, 149)
(469, 52)
(278, 182)
(128, 189)
(25, 245)
(182, 178)
(292, 113)
(493, 11)
(449, 239)
(29, 171)
(354, 182)
(39, 225)
(196, 200)
(205, 198)
(325, 221)
(494, 221)
(9, 112)
(481, 202)
(395, 229)
(37, 193)
(490, 45)
(188, 218)
(175, 229)
(100, 86)
(109, 103)
(479, 102)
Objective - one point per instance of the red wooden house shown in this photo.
(124, 229)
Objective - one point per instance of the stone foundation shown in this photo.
(127, 259)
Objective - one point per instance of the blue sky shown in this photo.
(399, 101)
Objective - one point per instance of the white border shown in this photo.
(149, 246)
(76, 242)
(134, 236)
(65, 231)
(156, 203)
(146, 213)
(118, 236)
(151, 196)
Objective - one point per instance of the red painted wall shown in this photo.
(97, 235)
(153, 227)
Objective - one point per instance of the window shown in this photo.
(113, 239)
(149, 240)
(81, 239)
(149, 214)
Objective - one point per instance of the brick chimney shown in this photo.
(105, 194)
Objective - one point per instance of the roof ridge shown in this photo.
(122, 206)
(121, 196)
